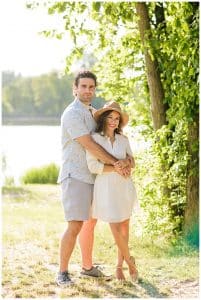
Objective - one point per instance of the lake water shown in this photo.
(31, 146)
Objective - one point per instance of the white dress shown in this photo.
(114, 195)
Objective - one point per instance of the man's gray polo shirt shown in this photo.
(76, 121)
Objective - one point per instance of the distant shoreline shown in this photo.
(30, 121)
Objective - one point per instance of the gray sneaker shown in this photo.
(93, 272)
(63, 278)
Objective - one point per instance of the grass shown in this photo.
(44, 174)
(32, 224)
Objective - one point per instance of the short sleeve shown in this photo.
(75, 125)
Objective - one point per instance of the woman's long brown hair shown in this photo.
(101, 123)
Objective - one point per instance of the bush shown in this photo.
(44, 174)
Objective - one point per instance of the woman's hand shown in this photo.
(122, 163)
(125, 172)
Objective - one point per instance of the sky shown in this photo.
(22, 49)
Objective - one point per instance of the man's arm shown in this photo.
(100, 153)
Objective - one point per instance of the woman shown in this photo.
(114, 195)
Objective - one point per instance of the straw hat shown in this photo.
(112, 105)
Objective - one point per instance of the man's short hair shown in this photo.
(85, 74)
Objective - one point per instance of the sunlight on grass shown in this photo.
(32, 224)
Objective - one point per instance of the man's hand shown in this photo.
(132, 161)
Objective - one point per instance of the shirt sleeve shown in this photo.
(128, 147)
(94, 165)
(75, 125)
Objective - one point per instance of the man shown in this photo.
(76, 181)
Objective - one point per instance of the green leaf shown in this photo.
(96, 6)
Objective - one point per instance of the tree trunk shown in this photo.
(191, 216)
(153, 76)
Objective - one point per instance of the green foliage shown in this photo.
(179, 61)
(176, 47)
(42, 96)
(45, 174)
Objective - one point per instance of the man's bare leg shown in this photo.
(67, 243)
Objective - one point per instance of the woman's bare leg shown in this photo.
(125, 233)
(86, 241)
(123, 247)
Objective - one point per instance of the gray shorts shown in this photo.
(77, 199)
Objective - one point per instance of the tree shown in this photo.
(191, 216)
(153, 76)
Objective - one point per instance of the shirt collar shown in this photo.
(81, 104)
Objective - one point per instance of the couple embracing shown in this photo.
(95, 179)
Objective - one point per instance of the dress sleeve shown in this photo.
(94, 165)
(75, 125)
(128, 148)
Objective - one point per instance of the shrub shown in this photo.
(44, 174)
